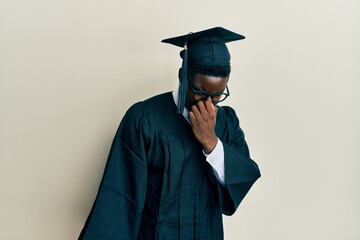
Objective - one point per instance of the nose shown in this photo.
(211, 99)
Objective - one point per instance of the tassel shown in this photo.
(183, 79)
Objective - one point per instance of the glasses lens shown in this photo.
(200, 96)
(219, 98)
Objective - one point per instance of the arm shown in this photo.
(116, 213)
(216, 160)
(240, 171)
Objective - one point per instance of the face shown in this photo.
(208, 84)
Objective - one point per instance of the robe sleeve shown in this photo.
(116, 213)
(240, 170)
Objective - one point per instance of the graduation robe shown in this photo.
(157, 183)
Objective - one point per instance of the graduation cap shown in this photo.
(206, 48)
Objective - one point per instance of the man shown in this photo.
(178, 161)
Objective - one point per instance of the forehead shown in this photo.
(210, 84)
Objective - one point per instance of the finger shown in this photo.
(196, 112)
(208, 105)
(192, 117)
(211, 108)
(201, 106)
(215, 109)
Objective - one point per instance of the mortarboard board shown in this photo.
(205, 47)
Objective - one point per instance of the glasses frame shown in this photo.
(212, 95)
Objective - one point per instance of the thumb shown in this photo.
(215, 109)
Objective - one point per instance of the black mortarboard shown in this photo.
(206, 48)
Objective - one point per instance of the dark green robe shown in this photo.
(157, 183)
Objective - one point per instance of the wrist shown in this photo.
(209, 146)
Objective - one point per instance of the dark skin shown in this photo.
(202, 114)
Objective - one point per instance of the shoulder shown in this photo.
(227, 114)
(228, 125)
(229, 111)
(152, 108)
(150, 104)
(160, 99)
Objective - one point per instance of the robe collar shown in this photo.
(185, 113)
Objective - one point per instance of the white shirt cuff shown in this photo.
(216, 160)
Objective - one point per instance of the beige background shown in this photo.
(70, 69)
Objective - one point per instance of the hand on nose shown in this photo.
(203, 121)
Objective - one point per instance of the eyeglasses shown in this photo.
(215, 97)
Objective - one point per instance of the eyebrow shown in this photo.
(199, 90)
